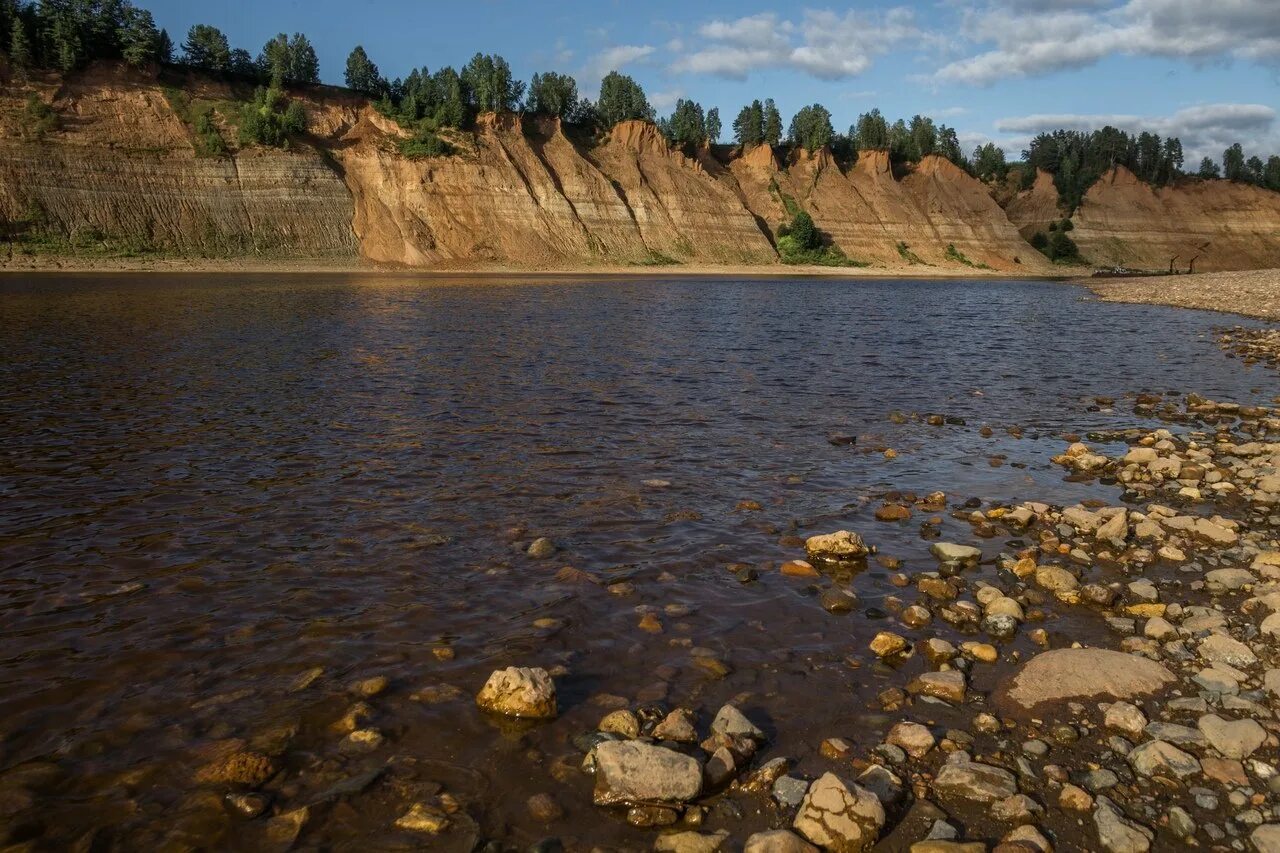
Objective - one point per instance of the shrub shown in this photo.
(40, 117)
(267, 120)
(209, 141)
(425, 144)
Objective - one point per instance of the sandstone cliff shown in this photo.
(1125, 222)
(525, 192)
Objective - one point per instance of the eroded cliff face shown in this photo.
(522, 192)
(1124, 222)
(1223, 225)
(123, 165)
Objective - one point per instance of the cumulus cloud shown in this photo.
(1205, 130)
(824, 44)
(1071, 35)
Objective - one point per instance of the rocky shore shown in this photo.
(1167, 738)
(1253, 293)
(1162, 738)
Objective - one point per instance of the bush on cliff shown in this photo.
(800, 242)
(39, 116)
(268, 120)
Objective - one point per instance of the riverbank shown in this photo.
(42, 264)
(1252, 293)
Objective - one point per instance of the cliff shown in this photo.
(1125, 222)
(125, 163)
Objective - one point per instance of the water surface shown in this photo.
(213, 484)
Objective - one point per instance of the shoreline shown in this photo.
(1247, 293)
(78, 266)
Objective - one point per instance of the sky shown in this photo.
(1207, 71)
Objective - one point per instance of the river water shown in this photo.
(214, 486)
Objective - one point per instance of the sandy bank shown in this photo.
(321, 265)
(1253, 293)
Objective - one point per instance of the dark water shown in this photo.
(212, 484)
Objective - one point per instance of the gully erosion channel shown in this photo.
(265, 538)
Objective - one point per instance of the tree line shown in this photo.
(64, 35)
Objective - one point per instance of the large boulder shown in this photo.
(519, 692)
(840, 816)
(1075, 675)
(629, 771)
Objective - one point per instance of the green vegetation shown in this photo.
(954, 254)
(425, 143)
(621, 99)
(800, 242)
(687, 126)
(758, 123)
(904, 252)
(270, 119)
(1077, 159)
(811, 128)
(1056, 245)
(554, 94)
(38, 117)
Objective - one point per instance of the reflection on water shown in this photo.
(213, 484)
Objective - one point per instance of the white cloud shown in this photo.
(823, 44)
(615, 59)
(1205, 130)
(1031, 37)
(664, 102)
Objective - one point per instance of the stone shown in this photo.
(1233, 738)
(1114, 530)
(1227, 580)
(914, 738)
(788, 791)
(882, 782)
(677, 726)
(974, 782)
(1018, 808)
(886, 644)
(541, 548)
(283, 829)
(719, 769)
(949, 552)
(1056, 579)
(730, 722)
(840, 547)
(1074, 798)
(778, 841)
(948, 685)
(691, 842)
(238, 768)
(1219, 648)
(629, 771)
(1064, 675)
(840, 816)
(519, 692)
(1125, 717)
(543, 808)
(423, 818)
(799, 569)
(1266, 838)
(621, 722)
(940, 846)
(1160, 758)
(1117, 833)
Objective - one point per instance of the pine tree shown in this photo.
(713, 125)
(207, 47)
(772, 123)
(622, 99)
(20, 47)
(362, 75)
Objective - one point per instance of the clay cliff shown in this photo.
(1125, 222)
(527, 192)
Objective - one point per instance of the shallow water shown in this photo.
(212, 484)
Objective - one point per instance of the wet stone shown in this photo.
(840, 816)
(634, 772)
(519, 692)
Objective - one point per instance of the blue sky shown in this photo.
(1205, 70)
